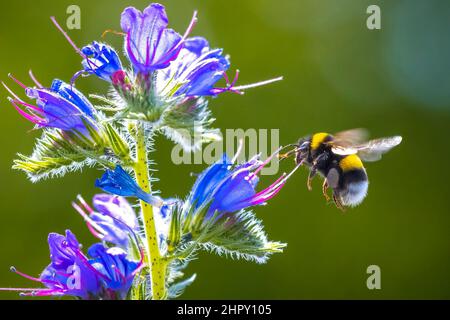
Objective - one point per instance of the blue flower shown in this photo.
(101, 60)
(60, 106)
(226, 188)
(150, 45)
(118, 272)
(113, 219)
(69, 272)
(120, 183)
(108, 274)
(196, 70)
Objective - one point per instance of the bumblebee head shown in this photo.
(303, 149)
(304, 144)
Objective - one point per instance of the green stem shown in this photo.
(157, 263)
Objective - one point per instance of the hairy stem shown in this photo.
(157, 263)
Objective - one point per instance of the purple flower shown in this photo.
(101, 60)
(116, 269)
(113, 219)
(60, 106)
(196, 69)
(120, 183)
(116, 207)
(227, 188)
(150, 45)
(69, 272)
(107, 275)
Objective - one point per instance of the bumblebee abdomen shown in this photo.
(353, 187)
(350, 162)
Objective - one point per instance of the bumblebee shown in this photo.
(338, 158)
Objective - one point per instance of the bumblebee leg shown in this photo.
(311, 175)
(338, 202)
(325, 190)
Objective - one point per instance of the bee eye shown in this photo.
(304, 146)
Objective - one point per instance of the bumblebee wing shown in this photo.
(374, 149)
(346, 142)
(344, 151)
(350, 138)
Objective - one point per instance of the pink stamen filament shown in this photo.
(38, 84)
(84, 204)
(32, 107)
(191, 26)
(229, 85)
(17, 81)
(22, 289)
(10, 91)
(95, 229)
(72, 43)
(252, 175)
(33, 118)
(186, 34)
(13, 269)
(67, 37)
(273, 189)
(236, 77)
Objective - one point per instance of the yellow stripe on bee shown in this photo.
(351, 162)
(317, 139)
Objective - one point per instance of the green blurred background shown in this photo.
(338, 75)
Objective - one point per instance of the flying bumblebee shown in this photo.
(338, 159)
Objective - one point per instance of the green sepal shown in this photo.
(117, 143)
(57, 152)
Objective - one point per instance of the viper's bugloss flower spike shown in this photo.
(101, 60)
(60, 106)
(113, 219)
(120, 183)
(149, 44)
(227, 188)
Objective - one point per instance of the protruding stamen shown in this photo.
(236, 77)
(67, 37)
(253, 174)
(84, 204)
(28, 105)
(13, 269)
(92, 225)
(10, 91)
(17, 81)
(38, 84)
(19, 289)
(230, 85)
(191, 26)
(239, 150)
(186, 34)
(33, 118)
(257, 84)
